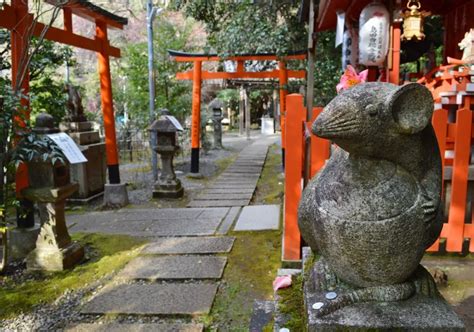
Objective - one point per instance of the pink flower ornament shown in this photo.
(281, 282)
(351, 78)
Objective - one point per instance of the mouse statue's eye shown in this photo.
(371, 109)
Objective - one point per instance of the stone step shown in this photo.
(214, 203)
(228, 221)
(205, 196)
(262, 315)
(258, 217)
(189, 245)
(136, 327)
(153, 268)
(229, 191)
(153, 299)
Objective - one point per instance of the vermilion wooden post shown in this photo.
(440, 125)
(394, 74)
(19, 43)
(462, 150)
(107, 104)
(196, 117)
(295, 118)
(319, 148)
(283, 78)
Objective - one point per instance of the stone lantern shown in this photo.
(216, 107)
(49, 186)
(166, 128)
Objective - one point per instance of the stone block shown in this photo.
(85, 137)
(115, 195)
(189, 245)
(229, 219)
(22, 241)
(76, 126)
(154, 268)
(55, 259)
(183, 227)
(205, 196)
(91, 175)
(153, 299)
(258, 217)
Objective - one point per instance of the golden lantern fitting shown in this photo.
(413, 21)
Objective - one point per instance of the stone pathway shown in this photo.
(236, 185)
(177, 274)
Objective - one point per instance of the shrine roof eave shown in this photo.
(327, 18)
(190, 57)
(92, 12)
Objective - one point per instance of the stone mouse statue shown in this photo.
(375, 207)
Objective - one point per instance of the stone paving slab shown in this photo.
(185, 227)
(155, 268)
(130, 215)
(205, 196)
(228, 221)
(232, 185)
(153, 299)
(229, 191)
(136, 327)
(213, 203)
(258, 217)
(190, 245)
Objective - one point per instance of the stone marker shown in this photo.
(174, 267)
(216, 106)
(373, 210)
(136, 327)
(189, 245)
(167, 185)
(258, 218)
(153, 299)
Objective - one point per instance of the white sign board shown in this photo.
(175, 122)
(341, 19)
(68, 147)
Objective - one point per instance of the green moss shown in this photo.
(457, 290)
(108, 253)
(270, 185)
(251, 268)
(291, 305)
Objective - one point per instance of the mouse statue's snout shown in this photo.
(338, 119)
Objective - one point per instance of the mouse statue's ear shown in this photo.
(412, 107)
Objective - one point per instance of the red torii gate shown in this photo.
(17, 19)
(197, 75)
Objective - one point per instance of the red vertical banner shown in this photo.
(295, 119)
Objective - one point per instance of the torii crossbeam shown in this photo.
(197, 75)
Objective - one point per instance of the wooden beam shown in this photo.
(7, 21)
(238, 58)
(206, 75)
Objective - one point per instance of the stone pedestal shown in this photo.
(91, 176)
(167, 185)
(115, 195)
(54, 249)
(425, 310)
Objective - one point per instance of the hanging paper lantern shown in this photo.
(350, 48)
(374, 23)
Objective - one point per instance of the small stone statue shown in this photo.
(376, 206)
(74, 105)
